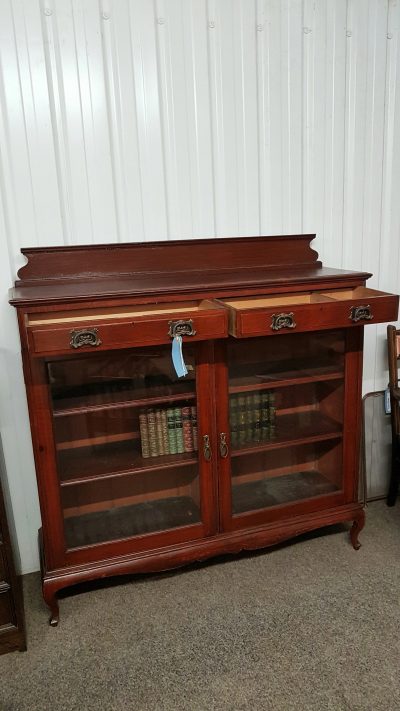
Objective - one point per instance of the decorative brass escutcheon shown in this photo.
(223, 447)
(283, 321)
(181, 328)
(207, 448)
(84, 337)
(360, 313)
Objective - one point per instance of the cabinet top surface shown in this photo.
(216, 267)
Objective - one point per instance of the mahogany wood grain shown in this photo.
(140, 331)
(61, 289)
(246, 320)
(54, 263)
(177, 555)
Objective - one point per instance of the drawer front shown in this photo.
(124, 334)
(314, 317)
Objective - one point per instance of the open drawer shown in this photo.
(124, 327)
(309, 311)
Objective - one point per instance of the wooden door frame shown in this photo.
(353, 341)
(56, 552)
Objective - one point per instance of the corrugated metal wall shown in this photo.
(137, 120)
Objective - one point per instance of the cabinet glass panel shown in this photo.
(286, 418)
(126, 439)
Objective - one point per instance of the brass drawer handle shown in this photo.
(360, 313)
(223, 447)
(181, 328)
(207, 448)
(84, 337)
(283, 321)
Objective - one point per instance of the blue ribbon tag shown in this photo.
(177, 357)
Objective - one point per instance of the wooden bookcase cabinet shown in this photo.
(273, 344)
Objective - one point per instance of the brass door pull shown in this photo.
(207, 448)
(279, 321)
(181, 328)
(223, 447)
(84, 337)
(361, 313)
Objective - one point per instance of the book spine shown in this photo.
(164, 427)
(171, 430)
(187, 430)
(249, 417)
(160, 438)
(144, 435)
(153, 440)
(257, 417)
(179, 431)
(242, 424)
(233, 420)
(272, 415)
(193, 415)
(264, 416)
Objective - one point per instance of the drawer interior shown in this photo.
(360, 292)
(121, 312)
(271, 300)
(274, 300)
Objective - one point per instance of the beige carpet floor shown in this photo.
(310, 625)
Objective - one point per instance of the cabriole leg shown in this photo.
(356, 528)
(50, 598)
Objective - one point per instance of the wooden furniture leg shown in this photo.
(356, 528)
(50, 598)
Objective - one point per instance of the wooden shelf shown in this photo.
(293, 429)
(113, 460)
(134, 520)
(285, 378)
(280, 490)
(126, 398)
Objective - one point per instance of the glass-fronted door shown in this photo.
(286, 410)
(127, 433)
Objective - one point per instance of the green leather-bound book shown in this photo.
(179, 431)
(233, 420)
(171, 430)
(256, 417)
(164, 427)
(264, 415)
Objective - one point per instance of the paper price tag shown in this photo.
(177, 357)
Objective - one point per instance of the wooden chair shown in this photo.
(393, 339)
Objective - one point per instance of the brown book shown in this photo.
(153, 440)
(187, 430)
(193, 413)
(144, 435)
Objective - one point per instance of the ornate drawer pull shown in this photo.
(207, 448)
(84, 337)
(360, 313)
(181, 328)
(283, 321)
(223, 447)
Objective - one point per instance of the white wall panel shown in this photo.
(126, 120)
